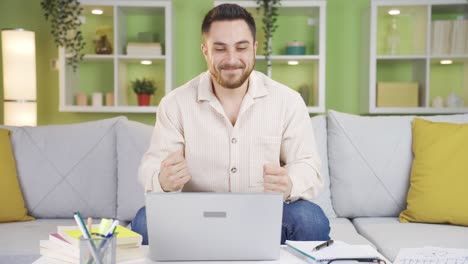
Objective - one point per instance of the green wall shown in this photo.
(343, 54)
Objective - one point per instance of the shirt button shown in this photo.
(233, 140)
(233, 169)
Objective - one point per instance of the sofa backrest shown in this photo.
(370, 162)
(319, 124)
(133, 140)
(68, 168)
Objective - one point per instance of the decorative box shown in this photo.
(397, 94)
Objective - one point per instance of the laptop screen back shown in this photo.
(214, 226)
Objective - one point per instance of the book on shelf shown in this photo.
(64, 245)
(441, 37)
(466, 36)
(125, 236)
(144, 49)
(458, 36)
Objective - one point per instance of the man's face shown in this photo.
(229, 50)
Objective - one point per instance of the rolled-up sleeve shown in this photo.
(167, 137)
(299, 153)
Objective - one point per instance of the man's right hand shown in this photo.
(174, 173)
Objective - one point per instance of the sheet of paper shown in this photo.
(339, 249)
(432, 255)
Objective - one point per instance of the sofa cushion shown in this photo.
(11, 197)
(133, 140)
(319, 124)
(439, 174)
(389, 235)
(370, 162)
(342, 229)
(68, 168)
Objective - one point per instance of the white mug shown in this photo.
(97, 99)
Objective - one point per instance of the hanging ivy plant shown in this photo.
(64, 17)
(270, 14)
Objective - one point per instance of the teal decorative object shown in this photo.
(295, 48)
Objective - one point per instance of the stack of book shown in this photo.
(144, 49)
(64, 245)
(450, 37)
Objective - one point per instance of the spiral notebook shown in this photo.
(339, 250)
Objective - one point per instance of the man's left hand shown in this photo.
(276, 179)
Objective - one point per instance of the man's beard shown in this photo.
(232, 83)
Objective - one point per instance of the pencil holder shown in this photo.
(98, 250)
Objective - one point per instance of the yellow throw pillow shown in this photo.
(12, 207)
(439, 175)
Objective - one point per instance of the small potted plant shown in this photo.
(144, 88)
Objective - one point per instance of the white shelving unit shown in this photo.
(113, 73)
(309, 18)
(414, 57)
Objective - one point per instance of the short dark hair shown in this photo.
(228, 12)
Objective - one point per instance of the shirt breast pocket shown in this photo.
(263, 150)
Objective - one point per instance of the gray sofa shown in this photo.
(92, 168)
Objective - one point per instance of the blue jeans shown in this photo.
(302, 221)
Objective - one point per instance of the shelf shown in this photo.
(130, 70)
(141, 57)
(402, 34)
(289, 57)
(303, 78)
(109, 109)
(455, 58)
(418, 110)
(396, 68)
(447, 79)
(133, 20)
(98, 57)
(112, 74)
(93, 25)
(308, 18)
(401, 57)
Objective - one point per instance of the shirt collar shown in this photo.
(257, 87)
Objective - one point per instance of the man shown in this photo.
(233, 129)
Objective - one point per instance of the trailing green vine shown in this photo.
(64, 17)
(270, 14)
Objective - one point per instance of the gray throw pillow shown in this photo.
(370, 162)
(68, 168)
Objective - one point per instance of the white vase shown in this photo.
(453, 100)
(438, 101)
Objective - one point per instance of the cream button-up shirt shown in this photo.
(273, 126)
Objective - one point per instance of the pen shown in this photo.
(81, 225)
(86, 235)
(112, 228)
(90, 225)
(323, 245)
(370, 260)
(109, 234)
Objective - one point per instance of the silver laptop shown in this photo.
(214, 226)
